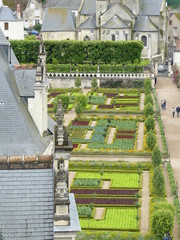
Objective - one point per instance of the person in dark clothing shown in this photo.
(178, 110)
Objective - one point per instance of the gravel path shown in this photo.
(109, 158)
(144, 223)
(140, 137)
(51, 100)
(108, 102)
(111, 135)
(68, 117)
(99, 212)
(142, 101)
(71, 177)
(88, 134)
(106, 184)
(93, 123)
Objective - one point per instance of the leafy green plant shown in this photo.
(77, 82)
(87, 182)
(148, 109)
(64, 99)
(147, 85)
(78, 109)
(156, 157)
(158, 181)
(151, 139)
(148, 99)
(149, 123)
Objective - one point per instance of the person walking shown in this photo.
(173, 112)
(164, 104)
(178, 110)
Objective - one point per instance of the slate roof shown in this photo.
(58, 19)
(25, 80)
(26, 204)
(71, 4)
(6, 14)
(150, 7)
(88, 7)
(18, 132)
(115, 23)
(144, 24)
(90, 23)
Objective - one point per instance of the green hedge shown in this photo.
(78, 52)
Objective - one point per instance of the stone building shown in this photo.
(173, 28)
(33, 14)
(27, 197)
(11, 23)
(113, 20)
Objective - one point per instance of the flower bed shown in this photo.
(126, 97)
(123, 192)
(75, 145)
(124, 136)
(106, 106)
(126, 131)
(110, 95)
(80, 123)
(50, 105)
(54, 94)
(107, 201)
(87, 182)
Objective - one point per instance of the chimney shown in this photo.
(18, 11)
(178, 44)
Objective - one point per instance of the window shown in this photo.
(7, 38)
(86, 38)
(170, 22)
(36, 22)
(6, 26)
(175, 31)
(144, 39)
(113, 37)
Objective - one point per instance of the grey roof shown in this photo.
(150, 7)
(58, 19)
(25, 80)
(115, 22)
(4, 46)
(90, 23)
(6, 14)
(18, 132)
(26, 204)
(71, 4)
(51, 124)
(88, 7)
(144, 24)
(74, 220)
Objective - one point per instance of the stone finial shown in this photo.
(60, 129)
(39, 77)
(41, 47)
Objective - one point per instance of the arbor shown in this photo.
(149, 123)
(77, 82)
(151, 139)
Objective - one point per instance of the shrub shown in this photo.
(77, 82)
(151, 139)
(162, 222)
(78, 109)
(65, 99)
(156, 157)
(147, 86)
(148, 99)
(81, 100)
(94, 83)
(158, 181)
(150, 123)
(148, 109)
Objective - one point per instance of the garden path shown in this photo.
(167, 90)
(140, 137)
(71, 177)
(106, 184)
(83, 146)
(144, 223)
(94, 106)
(69, 116)
(86, 90)
(88, 134)
(51, 100)
(111, 135)
(99, 212)
(93, 123)
(142, 101)
(108, 102)
(112, 158)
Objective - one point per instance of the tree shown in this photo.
(148, 109)
(149, 123)
(156, 157)
(162, 222)
(94, 83)
(151, 139)
(78, 109)
(82, 100)
(65, 99)
(148, 99)
(158, 181)
(77, 82)
(147, 85)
